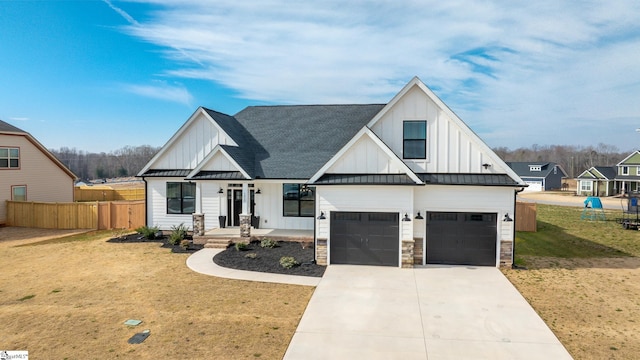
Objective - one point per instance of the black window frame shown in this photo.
(304, 198)
(10, 162)
(186, 189)
(421, 141)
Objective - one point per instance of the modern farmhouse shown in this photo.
(394, 184)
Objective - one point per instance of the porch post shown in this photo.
(198, 198)
(245, 216)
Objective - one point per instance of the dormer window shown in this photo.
(414, 145)
(535, 168)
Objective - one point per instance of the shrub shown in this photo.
(178, 233)
(185, 244)
(251, 256)
(149, 233)
(241, 246)
(268, 243)
(288, 262)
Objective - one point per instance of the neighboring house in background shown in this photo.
(628, 174)
(29, 172)
(540, 176)
(379, 184)
(597, 181)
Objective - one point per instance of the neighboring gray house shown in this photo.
(29, 172)
(373, 184)
(540, 176)
(597, 181)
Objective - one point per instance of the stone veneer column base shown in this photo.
(198, 224)
(321, 251)
(418, 251)
(407, 253)
(245, 227)
(506, 253)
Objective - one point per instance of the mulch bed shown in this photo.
(268, 259)
(137, 238)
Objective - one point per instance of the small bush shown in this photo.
(251, 256)
(149, 233)
(288, 262)
(178, 233)
(185, 244)
(241, 246)
(268, 243)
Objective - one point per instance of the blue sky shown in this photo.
(100, 75)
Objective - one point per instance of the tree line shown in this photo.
(124, 162)
(129, 160)
(573, 159)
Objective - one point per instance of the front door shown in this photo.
(234, 206)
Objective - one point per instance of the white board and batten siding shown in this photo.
(157, 206)
(193, 144)
(451, 146)
(365, 199)
(365, 157)
(269, 205)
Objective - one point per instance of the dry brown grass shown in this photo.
(69, 299)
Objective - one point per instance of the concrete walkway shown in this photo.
(432, 312)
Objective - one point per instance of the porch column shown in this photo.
(198, 198)
(245, 216)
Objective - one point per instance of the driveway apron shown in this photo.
(432, 312)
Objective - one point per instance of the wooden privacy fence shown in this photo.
(526, 216)
(84, 194)
(86, 215)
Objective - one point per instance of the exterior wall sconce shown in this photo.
(419, 217)
(321, 217)
(507, 218)
(258, 192)
(486, 166)
(220, 191)
(406, 217)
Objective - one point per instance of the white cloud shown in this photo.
(508, 68)
(161, 91)
(19, 118)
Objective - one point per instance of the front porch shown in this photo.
(225, 236)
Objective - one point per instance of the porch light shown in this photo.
(258, 192)
(321, 217)
(406, 217)
(419, 217)
(507, 218)
(220, 191)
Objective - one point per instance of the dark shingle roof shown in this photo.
(365, 179)
(522, 168)
(608, 172)
(467, 179)
(6, 127)
(296, 141)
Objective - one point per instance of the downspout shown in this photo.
(513, 260)
(315, 219)
(146, 222)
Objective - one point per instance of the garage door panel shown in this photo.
(364, 238)
(461, 238)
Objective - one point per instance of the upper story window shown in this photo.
(298, 200)
(181, 198)
(9, 158)
(625, 170)
(414, 145)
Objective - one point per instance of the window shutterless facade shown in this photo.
(181, 198)
(9, 158)
(298, 200)
(414, 144)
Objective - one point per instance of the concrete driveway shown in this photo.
(432, 312)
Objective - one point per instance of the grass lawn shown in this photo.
(68, 299)
(583, 279)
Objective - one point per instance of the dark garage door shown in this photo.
(364, 238)
(461, 238)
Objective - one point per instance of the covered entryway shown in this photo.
(364, 238)
(461, 238)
